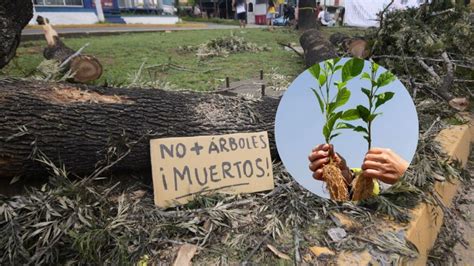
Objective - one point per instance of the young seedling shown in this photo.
(362, 186)
(329, 102)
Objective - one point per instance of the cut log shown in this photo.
(76, 124)
(14, 16)
(316, 47)
(306, 16)
(84, 68)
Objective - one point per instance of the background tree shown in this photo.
(14, 16)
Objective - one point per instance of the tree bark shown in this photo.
(14, 16)
(306, 16)
(80, 125)
(316, 47)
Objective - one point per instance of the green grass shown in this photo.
(212, 20)
(122, 55)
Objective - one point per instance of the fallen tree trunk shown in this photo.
(81, 125)
(316, 47)
(14, 16)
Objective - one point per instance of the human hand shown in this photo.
(319, 157)
(384, 165)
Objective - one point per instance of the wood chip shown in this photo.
(321, 251)
(278, 253)
(459, 104)
(342, 220)
(185, 254)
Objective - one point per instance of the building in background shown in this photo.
(60, 12)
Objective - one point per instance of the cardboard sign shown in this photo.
(233, 163)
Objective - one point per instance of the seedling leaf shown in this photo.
(332, 120)
(375, 67)
(372, 117)
(326, 132)
(342, 97)
(352, 68)
(340, 84)
(334, 135)
(342, 125)
(366, 75)
(366, 92)
(351, 114)
(383, 98)
(320, 101)
(361, 129)
(363, 113)
(315, 70)
(385, 78)
(322, 79)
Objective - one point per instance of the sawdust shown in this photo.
(69, 95)
(213, 112)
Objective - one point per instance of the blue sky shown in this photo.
(299, 122)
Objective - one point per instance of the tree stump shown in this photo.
(84, 68)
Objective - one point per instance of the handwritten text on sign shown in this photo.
(233, 163)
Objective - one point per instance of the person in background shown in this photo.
(289, 14)
(271, 11)
(317, 9)
(240, 9)
(325, 18)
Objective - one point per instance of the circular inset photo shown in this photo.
(346, 129)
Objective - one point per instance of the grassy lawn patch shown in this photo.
(122, 56)
(212, 20)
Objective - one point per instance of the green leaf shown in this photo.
(366, 138)
(372, 117)
(361, 129)
(338, 67)
(320, 101)
(351, 114)
(363, 113)
(385, 78)
(342, 125)
(332, 120)
(322, 79)
(336, 60)
(334, 135)
(375, 67)
(331, 107)
(330, 64)
(340, 84)
(315, 70)
(366, 92)
(342, 97)
(352, 68)
(383, 98)
(366, 75)
(326, 132)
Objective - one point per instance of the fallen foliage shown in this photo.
(224, 46)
